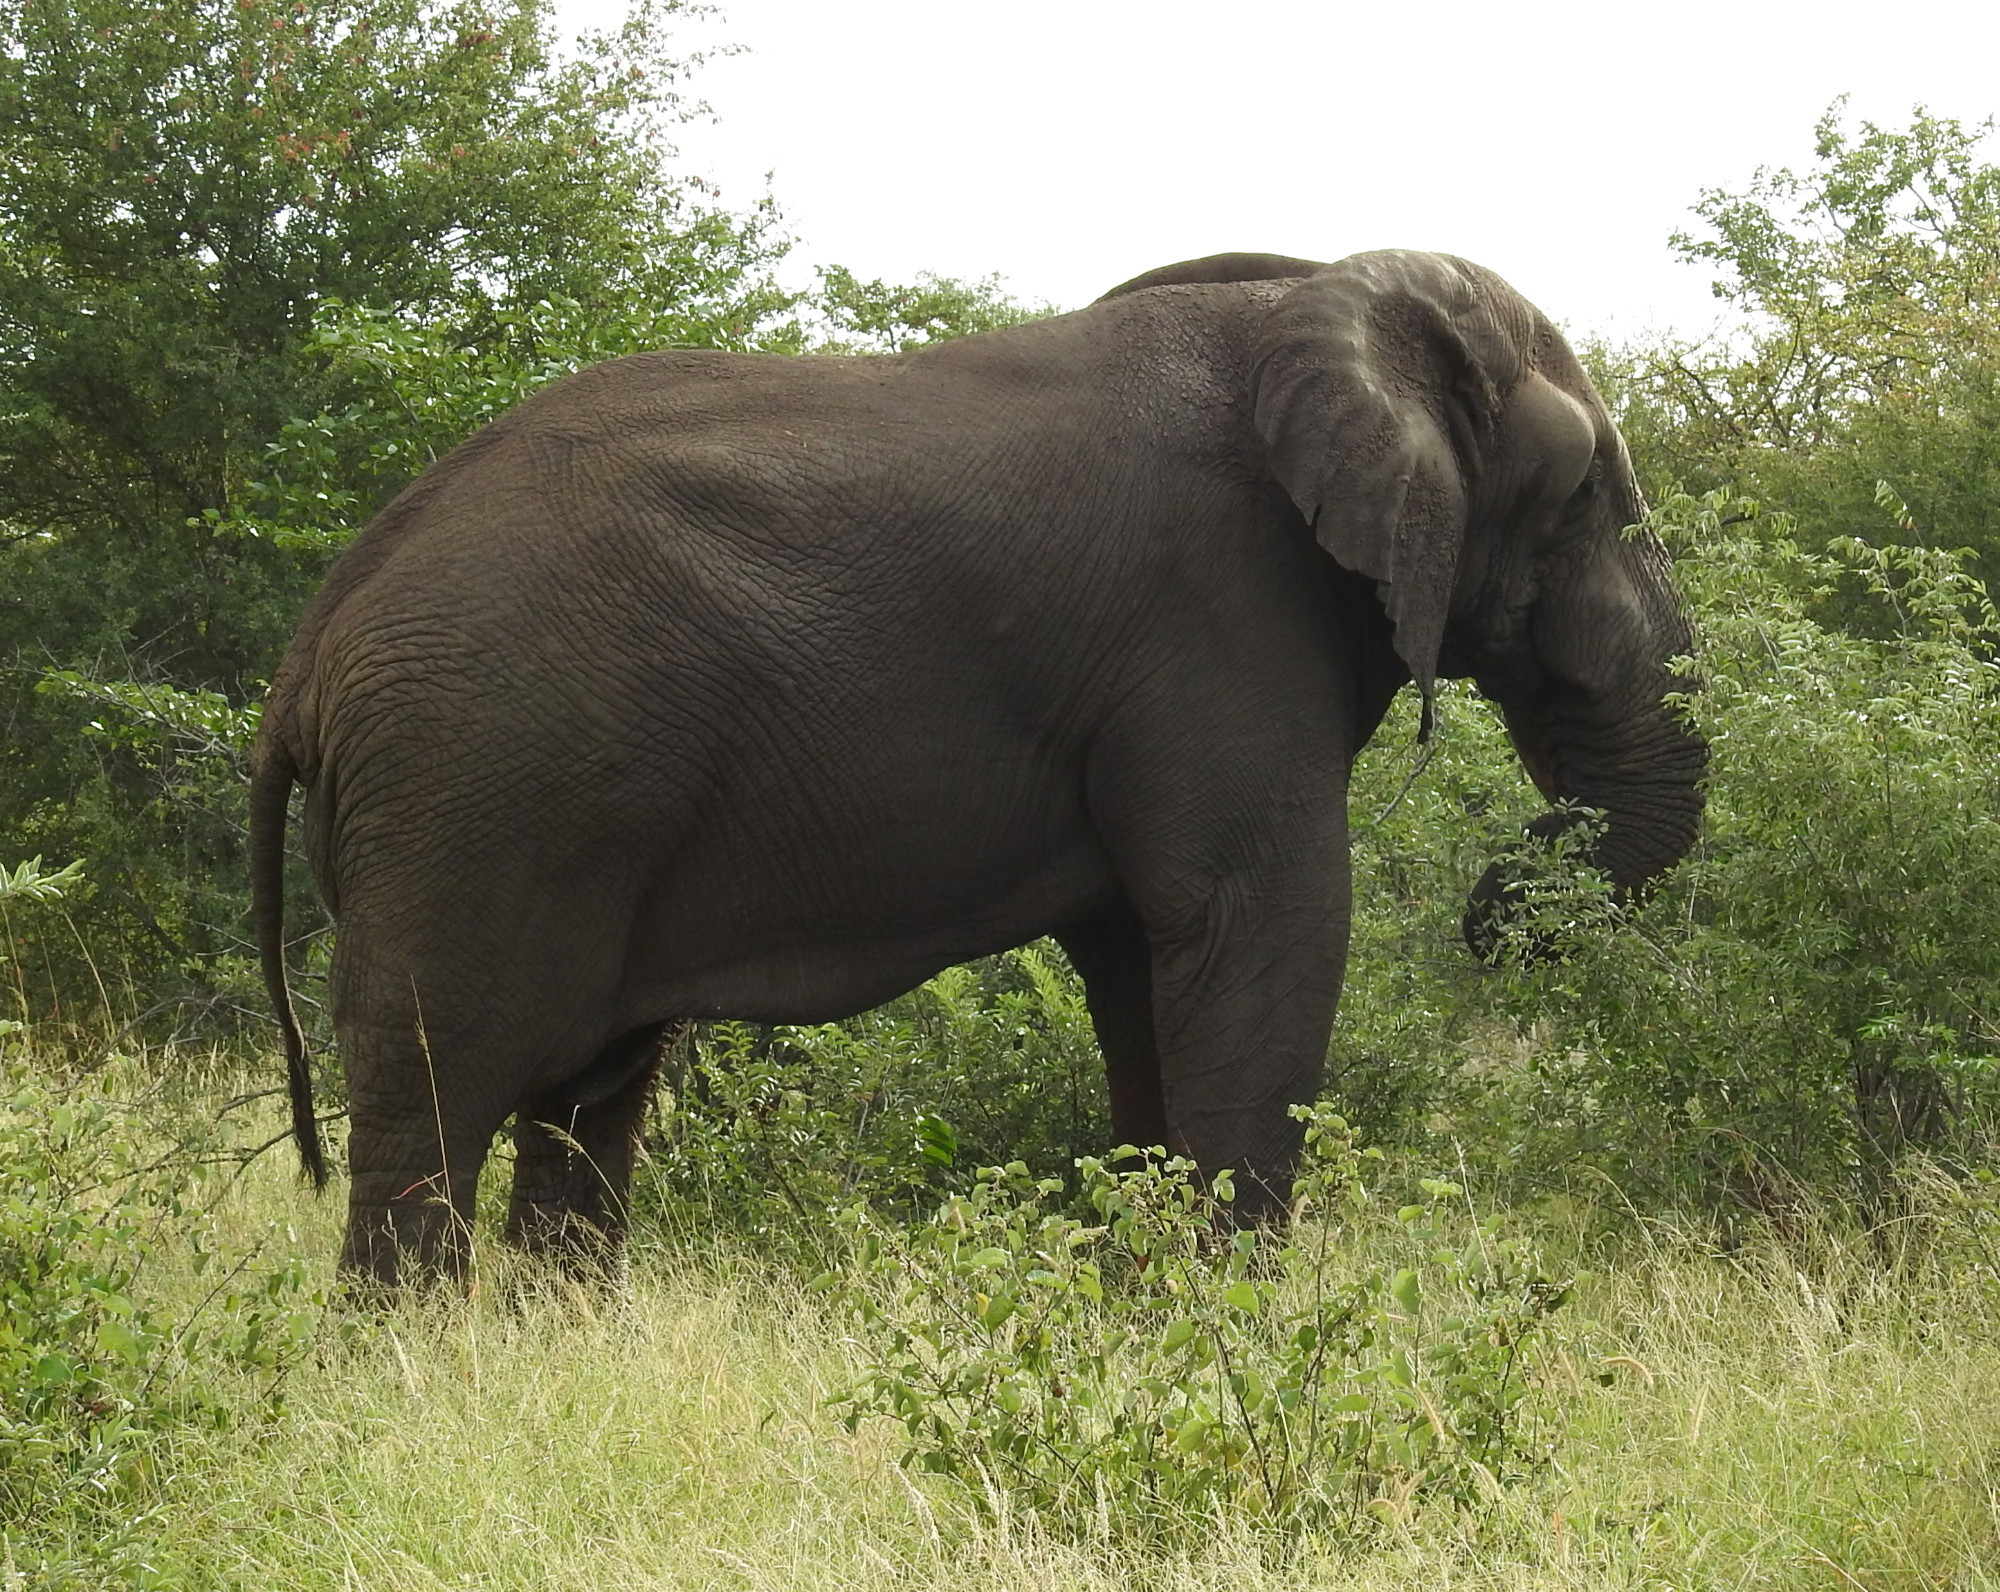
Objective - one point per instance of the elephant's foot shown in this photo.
(583, 1247)
(572, 1177)
(414, 1235)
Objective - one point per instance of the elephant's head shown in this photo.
(1438, 434)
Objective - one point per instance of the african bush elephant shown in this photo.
(710, 685)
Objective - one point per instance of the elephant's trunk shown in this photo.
(1648, 788)
(1596, 730)
(1646, 781)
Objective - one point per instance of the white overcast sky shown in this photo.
(1069, 144)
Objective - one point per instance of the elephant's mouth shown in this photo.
(1540, 766)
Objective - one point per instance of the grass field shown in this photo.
(1813, 1412)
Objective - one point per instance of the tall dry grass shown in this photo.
(1812, 1412)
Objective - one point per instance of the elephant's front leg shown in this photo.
(1249, 944)
(1244, 1001)
(573, 1178)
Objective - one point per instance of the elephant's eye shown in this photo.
(1578, 515)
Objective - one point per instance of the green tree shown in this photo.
(886, 317)
(260, 262)
(190, 193)
(1870, 284)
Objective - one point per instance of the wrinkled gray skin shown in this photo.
(709, 685)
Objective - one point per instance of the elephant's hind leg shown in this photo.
(414, 1154)
(1112, 956)
(573, 1161)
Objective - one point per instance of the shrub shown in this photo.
(768, 1131)
(1158, 1365)
(1810, 993)
(97, 1374)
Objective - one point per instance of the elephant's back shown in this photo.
(766, 456)
(683, 526)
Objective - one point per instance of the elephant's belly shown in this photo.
(730, 954)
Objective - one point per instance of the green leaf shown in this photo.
(1242, 1295)
(52, 1370)
(118, 1340)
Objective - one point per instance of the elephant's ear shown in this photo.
(1376, 386)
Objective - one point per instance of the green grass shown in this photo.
(1817, 1412)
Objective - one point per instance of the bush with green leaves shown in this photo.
(97, 1373)
(23, 888)
(1814, 991)
(1145, 1371)
(765, 1131)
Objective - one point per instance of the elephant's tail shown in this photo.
(270, 797)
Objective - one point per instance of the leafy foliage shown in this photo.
(195, 198)
(885, 317)
(29, 881)
(767, 1132)
(1814, 993)
(1159, 1366)
(27, 884)
(1806, 998)
(187, 182)
(1871, 287)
